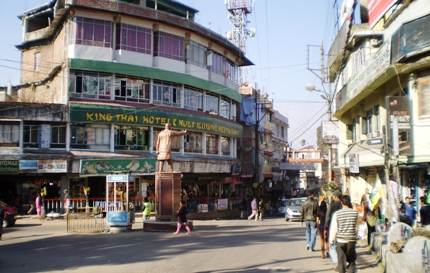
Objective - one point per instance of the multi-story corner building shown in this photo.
(99, 81)
(270, 127)
(304, 168)
(383, 79)
(280, 127)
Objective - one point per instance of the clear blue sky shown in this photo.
(284, 28)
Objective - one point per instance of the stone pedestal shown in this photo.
(167, 195)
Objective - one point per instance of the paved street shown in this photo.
(216, 246)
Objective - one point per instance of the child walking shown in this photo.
(182, 218)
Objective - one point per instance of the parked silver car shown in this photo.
(293, 208)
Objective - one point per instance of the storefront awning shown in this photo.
(368, 155)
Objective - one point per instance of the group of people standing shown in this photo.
(337, 226)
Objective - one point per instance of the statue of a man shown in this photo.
(163, 146)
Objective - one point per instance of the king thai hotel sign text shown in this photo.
(157, 118)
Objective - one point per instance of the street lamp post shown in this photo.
(328, 96)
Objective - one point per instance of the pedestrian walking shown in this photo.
(182, 218)
(1, 221)
(334, 206)
(370, 219)
(410, 211)
(254, 208)
(424, 212)
(322, 210)
(261, 209)
(309, 216)
(243, 205)
(343, 234)
(38, 205)
(147, 208)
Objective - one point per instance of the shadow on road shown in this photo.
(69, 251)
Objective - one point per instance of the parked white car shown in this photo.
(292, 208)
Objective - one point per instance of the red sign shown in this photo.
(377, 9)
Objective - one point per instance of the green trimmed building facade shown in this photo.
(116, 72)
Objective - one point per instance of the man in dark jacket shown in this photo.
(309, 216)
(334, 206)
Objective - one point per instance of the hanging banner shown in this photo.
(354, 164)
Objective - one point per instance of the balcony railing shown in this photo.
(378, 64)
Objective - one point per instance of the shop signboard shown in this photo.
(222, 204)
(203, 208)
(117, 178)
(9, 166)
(153, 117)
(354, 166)
(27, 165)
(109, 166)
(399, 120)
(330, 132)
(52, 166)
(377, 9)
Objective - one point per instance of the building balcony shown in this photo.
(364, 81)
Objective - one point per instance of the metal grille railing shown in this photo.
(85, 223)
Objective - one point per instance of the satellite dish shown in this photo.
(230, 35)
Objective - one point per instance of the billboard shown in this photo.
(377, 9)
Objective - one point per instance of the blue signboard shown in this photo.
(28, 164)
(118, 218)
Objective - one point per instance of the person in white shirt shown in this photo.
(343, 233)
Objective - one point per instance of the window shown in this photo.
(58, 136)
(375, 118)
(423, 88)
(89, 136)
(176, 141)
(233, 111)
(366, 123)
(217, 63)
(212, 104)
(211, 144)
(169, 46)
(9, 134)
(93, 32)
(131, 138)
(31, 135)
(135, 90)
(196, 54)
(224, 108)
(354, 129)
(349, 131)
(37, 60)
(134, 38)
(168, 94)
(193, 99)
(282, 132)
(225, 145)
(90, 85)
(193, 142)
(231, 71)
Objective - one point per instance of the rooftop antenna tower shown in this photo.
(238, 14)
